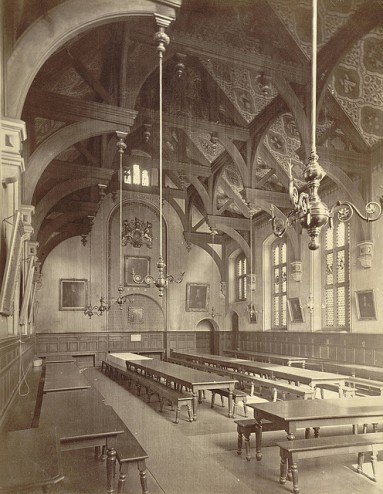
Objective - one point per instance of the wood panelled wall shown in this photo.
(96, 345)
(362, 349)
(12, 369)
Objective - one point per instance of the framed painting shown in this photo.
(138, 267)
(73, 294)
(136, 315)
(197, 297)
(365, 305)
(295, 309)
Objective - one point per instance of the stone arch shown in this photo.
(61, 24)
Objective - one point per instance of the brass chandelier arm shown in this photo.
(346, 210)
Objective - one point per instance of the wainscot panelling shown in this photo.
(204, 341)
(11, 372)
(180, 340)
(362, 349)
(93, 347)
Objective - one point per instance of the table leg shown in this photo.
(231, 407)
(258, 442)
(122, 478)
(110, 469)
(143, 479)
(195, 405)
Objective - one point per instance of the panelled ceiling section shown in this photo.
(225, 103)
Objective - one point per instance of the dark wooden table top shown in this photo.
(179, 373)
(61, 376)
(29, 458)
(294, 410)
(79, 414)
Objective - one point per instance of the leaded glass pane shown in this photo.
(276, 280)
(284, 279)
(284, 312)
(240, 292)
(329, 269)
(276, 311)
(127, 176)
(145, 178)
(276, 255)
(244, 265)
(283, 253)
(244, 287)
(329, 238)
(239, 267)
(341, 266)
(329, 307)
(341, 299)
(136, 175)
(340, 234)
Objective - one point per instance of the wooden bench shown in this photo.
(365, 387)
(238, 395)
(129, 451)
(343, 391)
(246, 427)
(292, 451)
(275, 386)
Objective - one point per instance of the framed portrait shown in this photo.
(197, 297)
(137, 266)
(365, 305)
(295, 309)
(73, 294)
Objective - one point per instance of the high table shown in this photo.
(29, 459)
(192, 379)
(63, 376)
(82, 421)
(291, 415)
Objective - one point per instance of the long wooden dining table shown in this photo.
(82, 420)
(298, 375)
(63, 376)
(269, 357)
(193, 379)
(291, 415)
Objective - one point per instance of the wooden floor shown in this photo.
(200, 457)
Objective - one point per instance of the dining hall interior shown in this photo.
(191, 200)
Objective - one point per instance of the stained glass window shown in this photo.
(279, 284)
(337, 277)
(136, 176)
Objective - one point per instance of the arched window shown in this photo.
(279, 284)
(336, 265)
(136, 175)
(240, 277)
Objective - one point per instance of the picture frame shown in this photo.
(197, 297)
(73, 294)
(295, 309)
(137, 265)
(136, 315)
(365, 305)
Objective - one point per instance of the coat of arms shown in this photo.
(137, 233)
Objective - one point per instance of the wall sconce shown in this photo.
(365, 254)
(296, 270)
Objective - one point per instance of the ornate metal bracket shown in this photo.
(162, 281)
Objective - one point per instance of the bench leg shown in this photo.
(294, 473)
(190, 411)
(244, 408)
(247, 445)
(195, 405)
(122, 478)
(258, 443)
(239, 443)
(212, 399)
(234, 408)
(283, 470)
(178, 410)
(374, 459)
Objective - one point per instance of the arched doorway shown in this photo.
(207, 338)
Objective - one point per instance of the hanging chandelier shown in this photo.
(163, 279)
(251, 308)
(95, 310)
(309, 210)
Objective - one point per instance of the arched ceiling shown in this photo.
(233, 119)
